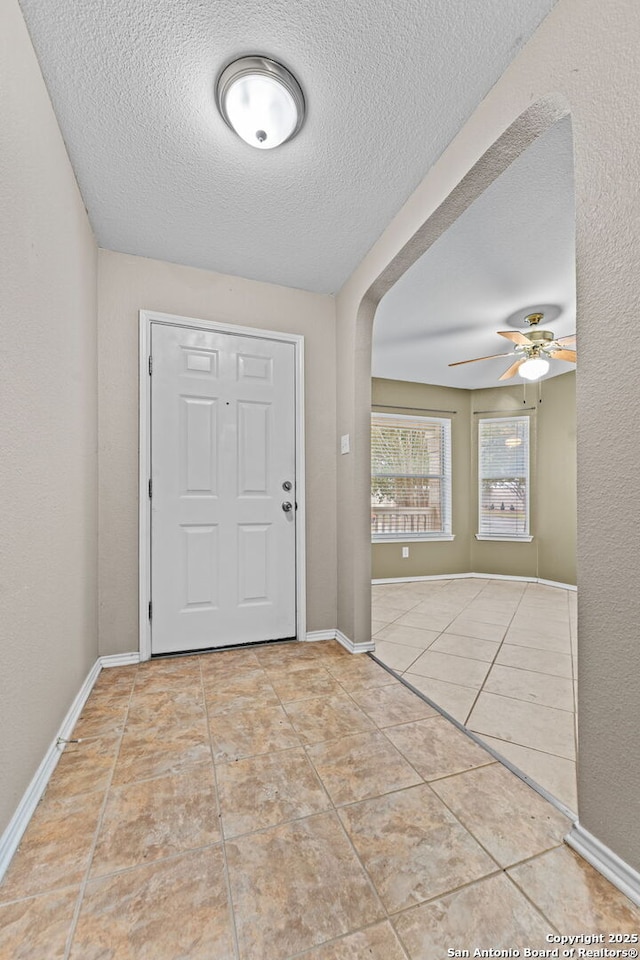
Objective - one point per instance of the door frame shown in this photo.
(146, 318)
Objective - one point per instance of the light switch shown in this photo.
(344, 443)
(405, 553)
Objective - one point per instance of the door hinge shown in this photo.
(150, 365)
(150, 488)
(150, 610)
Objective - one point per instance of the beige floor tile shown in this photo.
(525, 637)
(115, 681)
(509, 819)
(247, 733)
(178, 674)
(148, 752)
(529, 724)
(540, 661)
(396, 655)
(37, 929)
(292, 654)
(84, 767)
(555, 774)
(157, 818)
(375, 943)
(327, 718)
(389, 612)
(266, 790)
(166, 710)
(469, 647)
(392, 704)
(409, 636)
(464, 627)
(362, 766)
(377, 625)
(435, 748)
(55, 850)
(103, 714)
(296, 886)
(574, 897)
(359, 671)
(311, 681)
(529, 686)
(426, 619)
(452, 697)
(230, 662)
(412, 847)
(161, 911)
(442, 666)
(489, 914)
(496, 612)
(240, 693)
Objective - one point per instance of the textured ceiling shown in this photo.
(512, 251)
(388, 84)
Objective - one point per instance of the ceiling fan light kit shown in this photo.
(532, 351)
(261, 100)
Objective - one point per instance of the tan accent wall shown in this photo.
(551, 555)
(430, 558)
(48, 436)
(128, 284)
(586, 63)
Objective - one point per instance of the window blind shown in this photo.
(410, 477)
(503, 475)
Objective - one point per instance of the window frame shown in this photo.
(505, 537)
(446, 534)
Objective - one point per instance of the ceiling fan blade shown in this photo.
(513, 369)
(569, 355)
(571, 339)
(516, 336)
(475, 360)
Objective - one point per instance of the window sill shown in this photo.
(437, 538)
(487, 536)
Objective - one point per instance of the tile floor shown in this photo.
(500, 657)
(282, 802)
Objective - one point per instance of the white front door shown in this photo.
(223, 514)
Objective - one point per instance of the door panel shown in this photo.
(222, 445)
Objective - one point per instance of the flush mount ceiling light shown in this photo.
(261, 101)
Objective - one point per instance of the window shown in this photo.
(503, 475)
(410, 478)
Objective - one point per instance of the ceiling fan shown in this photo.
(532, 350)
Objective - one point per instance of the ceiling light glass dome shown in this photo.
(261, 100)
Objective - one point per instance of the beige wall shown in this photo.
(427, 558)
(552, 553)
(582, 60)
(48, 522)
(128, 284)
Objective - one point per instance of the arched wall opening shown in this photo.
(592, 64)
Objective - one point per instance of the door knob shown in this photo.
(287, 506)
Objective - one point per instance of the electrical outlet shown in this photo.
(344, 443)
(405, 553)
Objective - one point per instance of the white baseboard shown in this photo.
(120, 659)
(366, 646)
(477, 576)
(19, 822)
(605, 861)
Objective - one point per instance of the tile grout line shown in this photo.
(83, 886)
(232, 912)
(473, 705)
